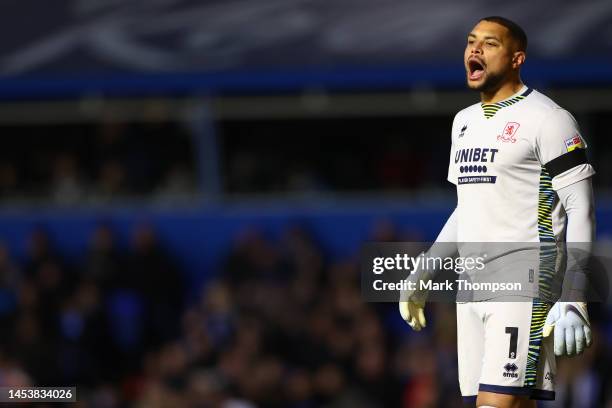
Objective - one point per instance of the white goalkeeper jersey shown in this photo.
(507, 159)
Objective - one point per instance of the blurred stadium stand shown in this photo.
(185, 186)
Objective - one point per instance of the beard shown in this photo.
(491, 84)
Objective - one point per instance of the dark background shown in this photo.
(185, 187)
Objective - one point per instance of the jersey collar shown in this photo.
(490, 109)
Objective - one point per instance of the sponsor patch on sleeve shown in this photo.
(574, 142)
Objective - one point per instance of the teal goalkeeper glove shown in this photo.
(570, 322)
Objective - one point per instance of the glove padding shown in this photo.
(570, 321)
(413, 313)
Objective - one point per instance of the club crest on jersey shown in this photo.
(509, 132)
(574, 142)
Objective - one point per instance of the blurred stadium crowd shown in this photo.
(96, 163)
(110, 161)
(283, 325)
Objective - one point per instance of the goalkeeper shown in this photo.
(519, 164)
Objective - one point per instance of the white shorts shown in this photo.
(501, 349)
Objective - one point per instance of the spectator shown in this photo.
(104, 265)
(67, 187)
(153, 274)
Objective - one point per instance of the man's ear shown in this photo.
(518, 59)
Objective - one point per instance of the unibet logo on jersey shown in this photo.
(474, 158)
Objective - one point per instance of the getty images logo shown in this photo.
(510, 370)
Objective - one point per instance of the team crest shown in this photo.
(509, 132)
(574, 142)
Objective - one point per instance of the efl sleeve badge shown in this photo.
(574, 142)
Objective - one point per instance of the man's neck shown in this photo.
(503, 92)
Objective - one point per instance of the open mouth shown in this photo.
(475, 69)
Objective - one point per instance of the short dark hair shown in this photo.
(516, 32)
